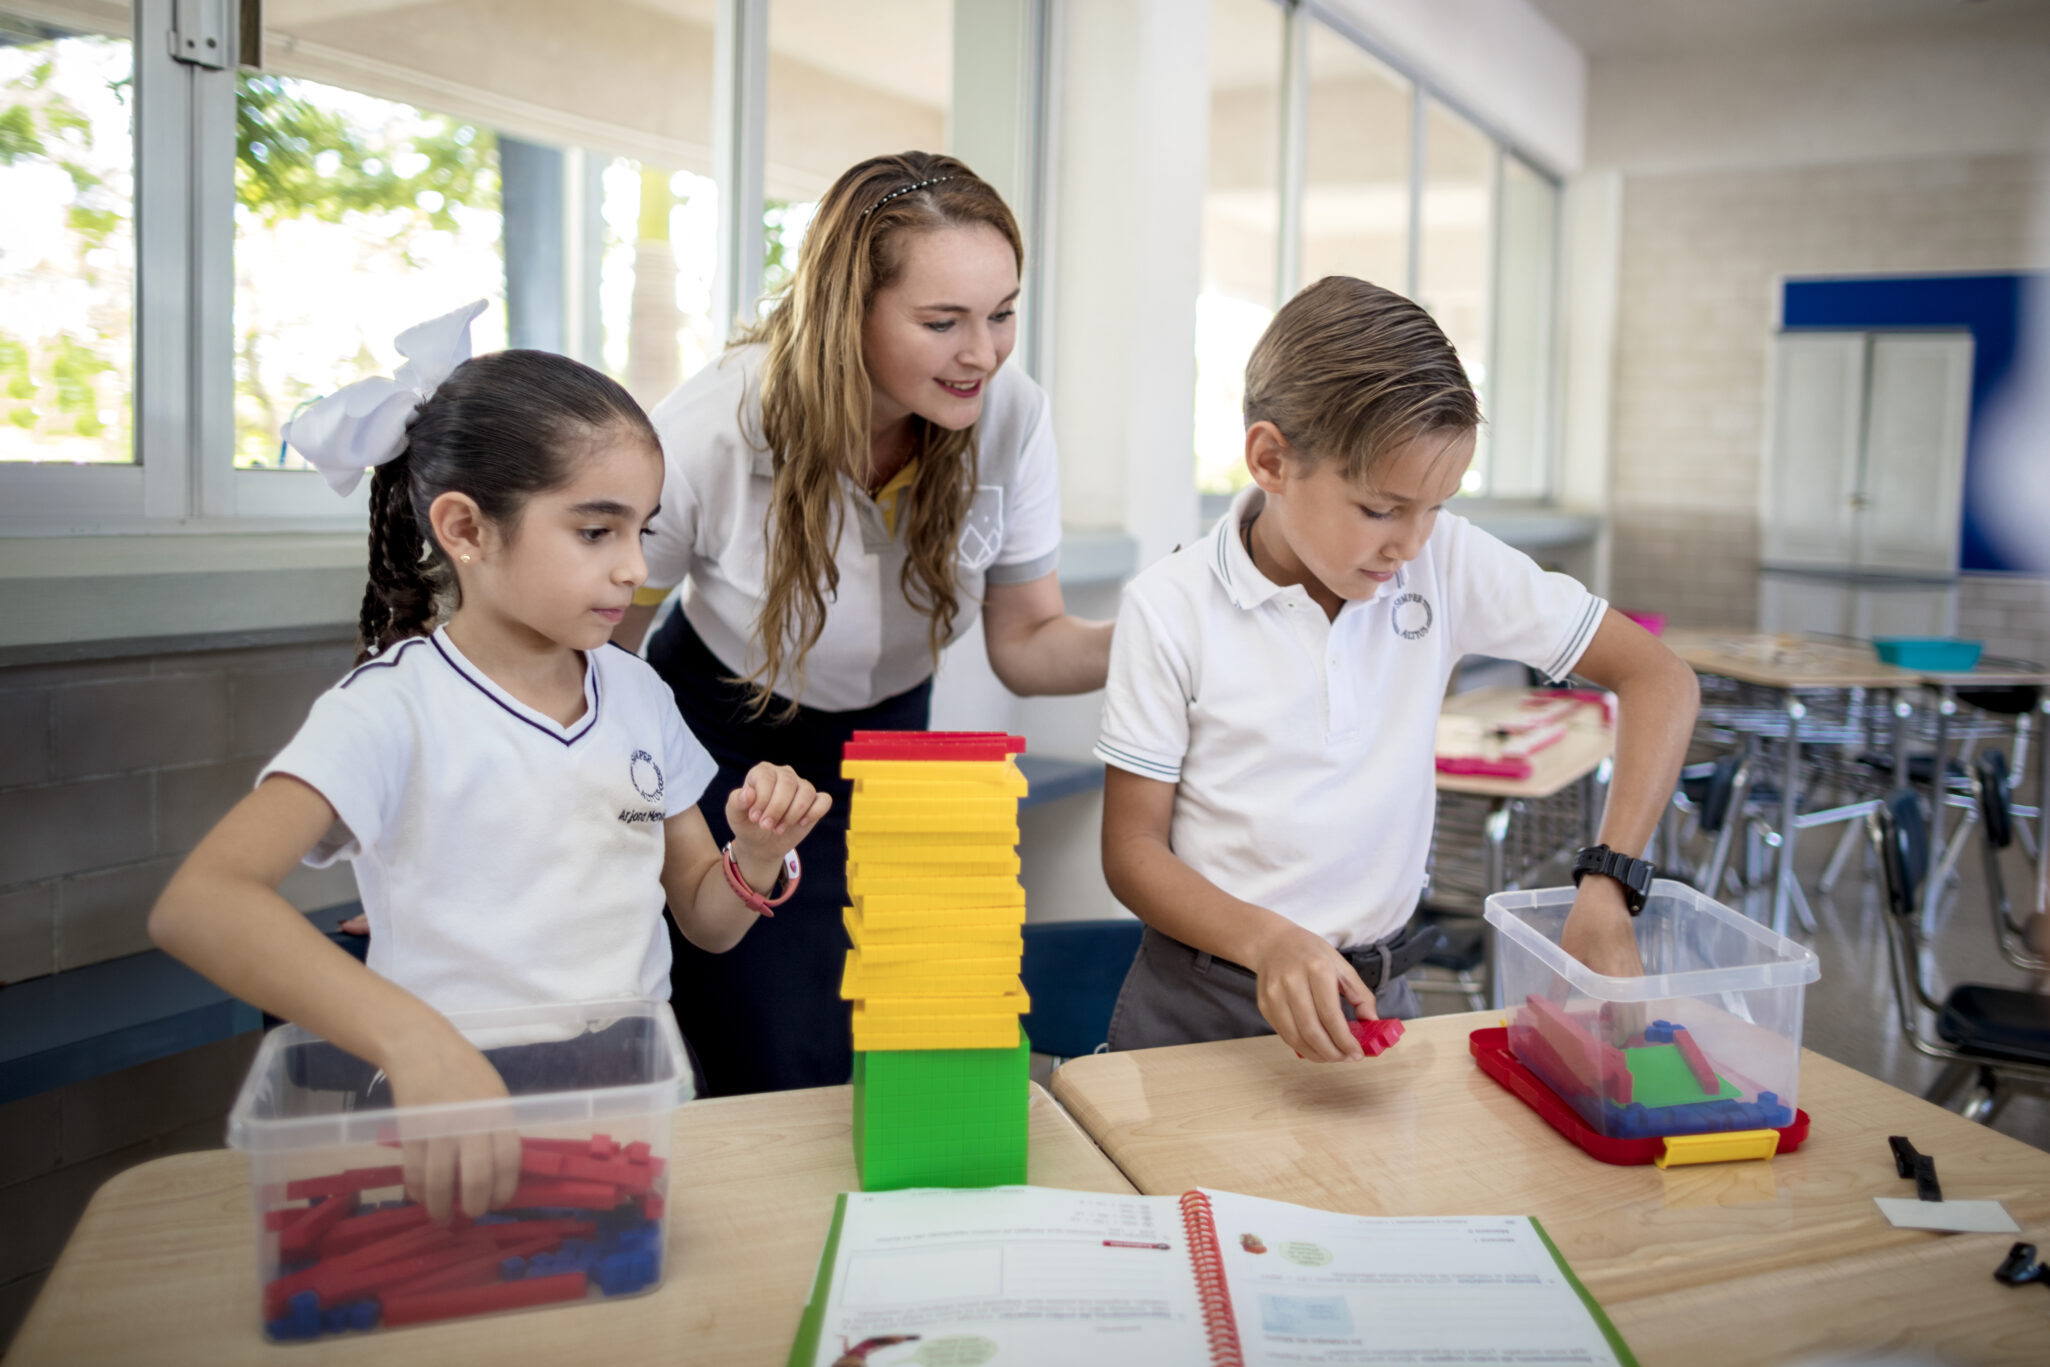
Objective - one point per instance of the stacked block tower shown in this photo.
(940, 1062)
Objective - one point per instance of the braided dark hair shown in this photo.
(500, 429)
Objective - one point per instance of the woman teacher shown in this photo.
(847, 486)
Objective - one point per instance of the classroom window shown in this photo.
(1241, 227)
(1520, 414)
(1455, 251)
(1378, 176)
(1356, 159)
(846, 83)
(67, 239)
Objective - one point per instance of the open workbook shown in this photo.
(941, 1278)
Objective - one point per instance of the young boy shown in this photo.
(1274, 692)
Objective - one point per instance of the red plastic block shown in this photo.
(637, 1152)
(631, 1177)
(1377, 1035)
(1698, 1061)
(601, 1146)
(280, 1290)
(1599, 1067)
(933, 745)
(478, 1300)
(275, 1220)
(541, 1191)
(476, 1272)
(349, 1284)
(652, 1207)
(305, 1234)
(559, 1145)
(359, 1231)
(521, 1231)
(541, 1162)
(354, 1179)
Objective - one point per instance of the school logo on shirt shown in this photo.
(1411, 617)
(647, 781)
(646, 775)
(982, 531)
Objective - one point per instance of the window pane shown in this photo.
(1520, 420)
(1356, 165)
(1456, 250)
(67, 238)
(846, 82)
(1241, 206)
(396, 161)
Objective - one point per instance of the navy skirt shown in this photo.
(766, 1015)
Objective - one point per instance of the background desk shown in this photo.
(161, 1269)
(1716, 1264)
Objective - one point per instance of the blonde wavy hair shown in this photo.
(816, 398)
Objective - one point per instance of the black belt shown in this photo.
(1387, 959)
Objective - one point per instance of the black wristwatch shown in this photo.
(1634, 874)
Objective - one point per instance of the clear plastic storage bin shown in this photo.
(1708, 1040)
(339, 1248)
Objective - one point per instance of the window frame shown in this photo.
(1298, 16)
(183, 479)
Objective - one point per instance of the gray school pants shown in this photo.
(1177, 994)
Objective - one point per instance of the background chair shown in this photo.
(1992, 794)
(1991, 1035)
(1073, 970)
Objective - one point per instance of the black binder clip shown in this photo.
(2021, 1266)
(1919, 1166)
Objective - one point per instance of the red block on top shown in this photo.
(933, 745)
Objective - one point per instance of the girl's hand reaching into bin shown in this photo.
(476, 1172)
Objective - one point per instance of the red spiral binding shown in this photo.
(1218, 1323)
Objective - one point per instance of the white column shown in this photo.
(1134, 146)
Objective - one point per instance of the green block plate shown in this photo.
(1660, 1077)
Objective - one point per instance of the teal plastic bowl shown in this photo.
(1937, 654)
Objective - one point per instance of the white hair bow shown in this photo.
(364, 424)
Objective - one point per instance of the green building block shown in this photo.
(941, 1117)
(1659, 1076)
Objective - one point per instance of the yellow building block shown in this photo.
(941, 978)
(936, 788)
(993, 1032)
(879, 1010)
(972, 817)
(1726, 1147)
(934, 863)
(959, 886)
(879, 908)
(867, 844)
(1000, 937)
(1000, 774)
(937, 951)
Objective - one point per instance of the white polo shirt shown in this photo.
(503, 859)
(1301, 747)
(708, 535)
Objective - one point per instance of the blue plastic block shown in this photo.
(512, 1269)
(286, 1329)
(541, 1265)
(496, 1218)
(363, 1315)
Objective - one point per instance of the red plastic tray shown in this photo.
(1490, 1049)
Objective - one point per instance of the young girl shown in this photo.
(518, 796)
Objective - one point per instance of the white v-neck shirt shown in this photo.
(503, 858)
(710, 533)
(1302, 747)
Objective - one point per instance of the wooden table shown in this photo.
(1717, 1264)
(161, 1269)
(1796, 669)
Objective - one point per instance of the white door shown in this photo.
(1918, 407)
(1808, 495)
